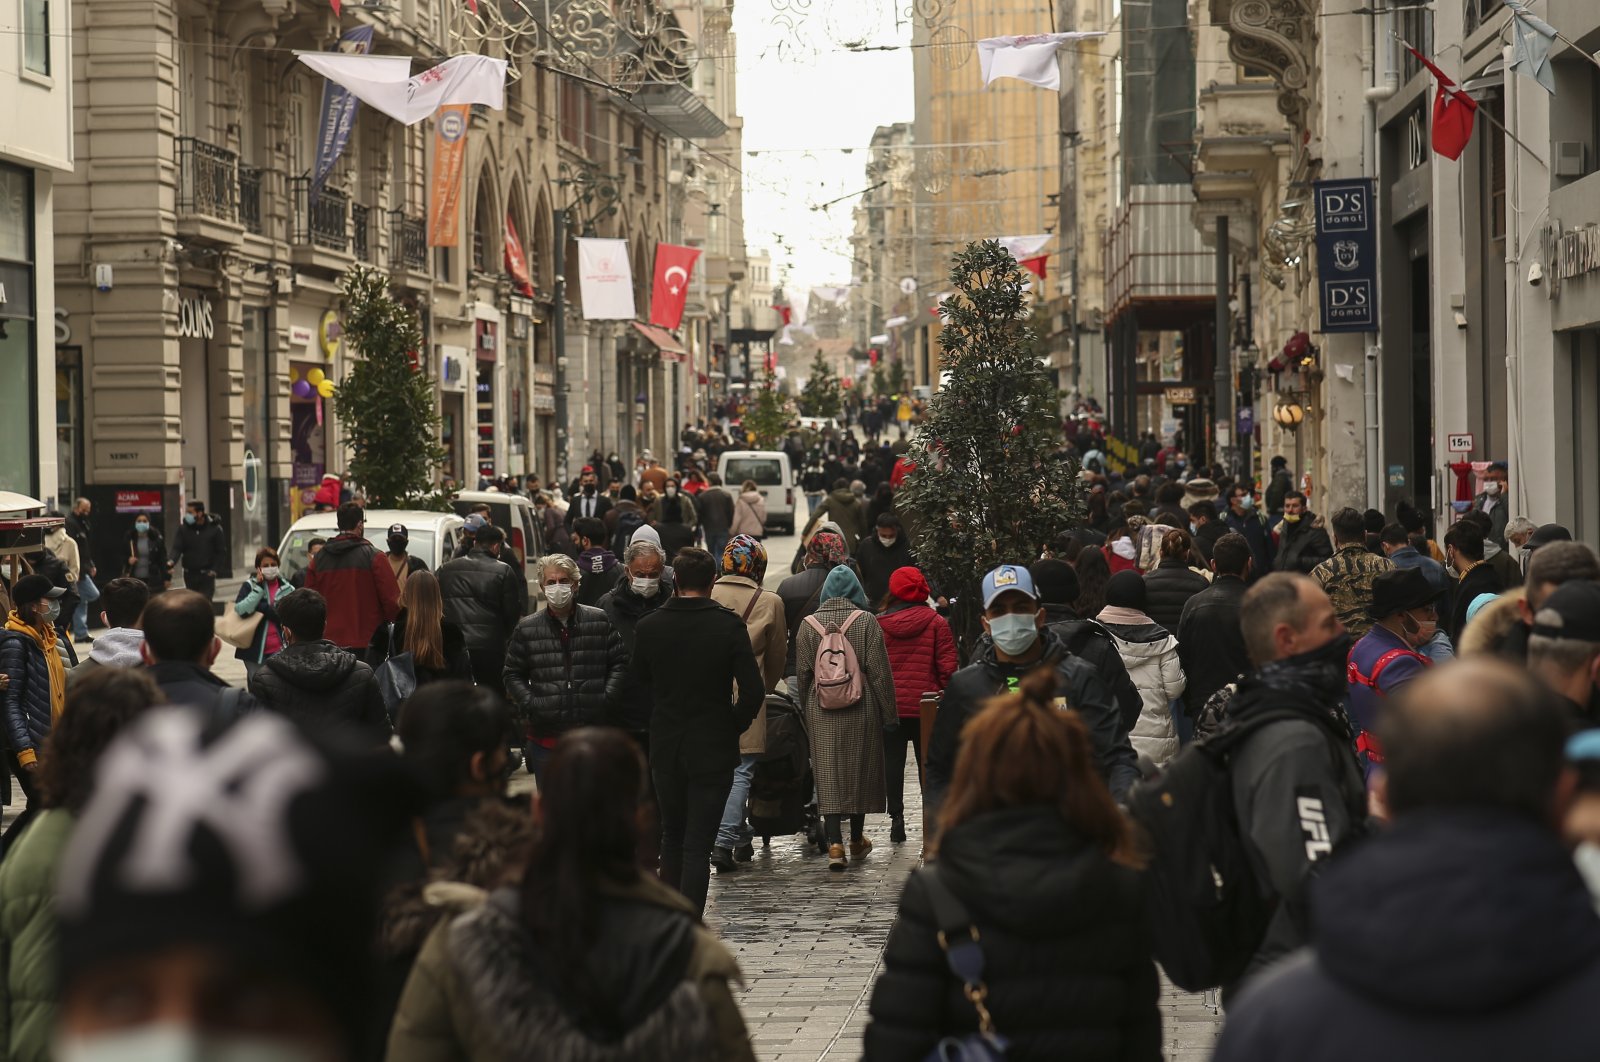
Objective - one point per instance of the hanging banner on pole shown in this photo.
(605, 280)
(1347, 255)
(339, 107)
(516, 261)
(449, 158)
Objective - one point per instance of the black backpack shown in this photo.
(1207, 913)
(627, 524)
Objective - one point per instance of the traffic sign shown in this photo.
(1459, 443)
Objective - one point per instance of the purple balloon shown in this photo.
(301, 389)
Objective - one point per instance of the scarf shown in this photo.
(745, 556)
(46, 641)
(1125, 617)
(825, 547)
(1315, 681)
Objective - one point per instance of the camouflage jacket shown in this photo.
(1347, 577)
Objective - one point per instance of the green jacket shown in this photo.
(456, 1002)
(28, 937)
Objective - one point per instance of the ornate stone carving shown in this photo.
(1280, 37)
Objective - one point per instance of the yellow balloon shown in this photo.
(325, 388)
(294, 374)
(315, 377)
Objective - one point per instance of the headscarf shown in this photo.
(745, 556)
(825, 548)
(842, 582)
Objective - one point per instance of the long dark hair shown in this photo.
(589, 804)
(1093, 574)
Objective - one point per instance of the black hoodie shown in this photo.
(1461, 934)
(320, 684)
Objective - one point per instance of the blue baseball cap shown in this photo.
(474, 523)
(1007, 577)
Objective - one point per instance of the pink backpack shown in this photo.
(835, 671)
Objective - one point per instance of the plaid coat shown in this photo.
(847, 743)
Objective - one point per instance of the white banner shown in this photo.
(605, 280)
(1031, 59)
(1024, 246)
(384, 82)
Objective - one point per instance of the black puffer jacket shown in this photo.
(1066, 959)
(1168, 587)
(556, 683)
(1460, 934)
(1090, 642)
(625, 609)
(319, 684)
(485, 598)
(1211, 641)
(27, 699)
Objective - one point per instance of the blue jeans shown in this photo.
(735, 831)
(88, 594)
(814, 501)
(716, 541)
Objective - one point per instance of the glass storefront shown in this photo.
(255, 515)
(18, 323)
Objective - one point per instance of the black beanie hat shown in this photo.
(1126, 590)
(253, 840)
(1055, 581)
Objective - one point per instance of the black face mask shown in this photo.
(1324, 667)
(398, 545)
(588, 488)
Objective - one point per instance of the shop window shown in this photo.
(1497, 171)
(36, 36)
(17, 324)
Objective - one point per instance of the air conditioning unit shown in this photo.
(1569, 158)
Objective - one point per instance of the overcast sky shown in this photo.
(804, 96)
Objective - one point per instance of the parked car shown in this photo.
(434, 536)
(770, 469)
(517, 517)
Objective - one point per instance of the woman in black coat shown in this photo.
(1036, 851)
(1172, 582)
(437, 646)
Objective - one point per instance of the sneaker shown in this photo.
(745, 852)
(897, 829)
(836, 857)
(83, 639)
(859, 847)
(722, 859)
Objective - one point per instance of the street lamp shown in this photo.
(1289, 415)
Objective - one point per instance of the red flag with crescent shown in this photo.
(674, 266)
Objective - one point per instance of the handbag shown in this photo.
(396, 678)
(238, 631)
(958, 939)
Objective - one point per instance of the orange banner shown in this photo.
(449, 158)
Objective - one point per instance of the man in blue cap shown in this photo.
(1016, 642)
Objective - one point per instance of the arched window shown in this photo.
(484, 227)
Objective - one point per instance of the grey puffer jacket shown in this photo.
(556, 684)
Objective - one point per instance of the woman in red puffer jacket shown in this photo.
(922, 656)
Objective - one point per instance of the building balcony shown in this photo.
(208, 191)
(360, 243)
(1153, 254)
(250, 198)
(319, 226)
(408, 242)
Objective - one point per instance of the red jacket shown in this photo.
(359, 586)
(922, 655)
(903, 467)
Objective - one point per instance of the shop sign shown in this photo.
(1459, 442)
(194, 318)
(300, 336)
(1347, 255)
(1577, 252)
(1180, 396)
(544, 374)
(137, 501)
(543, 403)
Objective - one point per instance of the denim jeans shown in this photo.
(735, 829)
(715, 542)
(906, 732)
(88, 594)
(690, 806)
(814, 501)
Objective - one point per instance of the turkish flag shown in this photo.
(786, 313)
(674, 264)
(1035, 265)
(516, 261)
(1453, 112)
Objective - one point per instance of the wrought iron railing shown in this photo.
(408, 241)
(361, 247)
(250, 197)
(322, 220)
(208, 178)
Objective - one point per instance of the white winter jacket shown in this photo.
(1151, 657)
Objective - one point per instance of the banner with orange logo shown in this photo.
(449, 159)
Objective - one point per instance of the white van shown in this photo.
(770, 469)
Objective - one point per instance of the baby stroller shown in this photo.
(781, 788)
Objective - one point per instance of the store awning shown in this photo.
(662, 340)
(678, 111)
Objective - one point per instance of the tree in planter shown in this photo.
(822, 395)
(767, 414)
(385, 403)
(987, 488)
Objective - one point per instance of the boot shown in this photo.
(722, 859)
(859, 847)
(836, 857)
(897, 829)
(745, 852)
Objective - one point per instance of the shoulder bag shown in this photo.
(958, 939)
(396, 678)
(238, 631)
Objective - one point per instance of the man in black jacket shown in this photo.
(201, 550)
(1208, 527)
(180, 645)
(81, 532)
(1017, 643)
(1210, 640)
(880, 554)
(314, 681)
(565, 665)
(1463, 931)
(1056, 583)
(693, 654)
(1463, 547)
(588, 501)
(485, 597)
(1301, 545)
